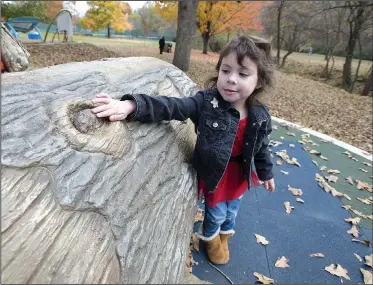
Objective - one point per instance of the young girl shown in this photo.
(232, 133)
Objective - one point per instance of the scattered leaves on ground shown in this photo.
(367, 275)
(323, 168)
(349, 180)
(263, 279)
(261, 239)
(317, 255)
(288, 208)
(282, 262)
(363, 170)
(353, 231)
(367, 164)
(333, 171)
(199, 216)
(365, 201)
(283, 154)
(295, 191)
(332, 178)
(356, 212)
(194, 244)
(299, 200)
(361, 185)
(338, 270)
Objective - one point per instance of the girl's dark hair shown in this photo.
(259, 51)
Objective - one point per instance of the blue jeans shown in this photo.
(222, 217)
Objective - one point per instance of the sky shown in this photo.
(82, 7)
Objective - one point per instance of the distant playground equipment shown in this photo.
(168, 48)
(24, 25)
(64, 25)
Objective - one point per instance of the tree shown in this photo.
(106, 14)
(149, 18)
(187, 10)
(279, 11)
(369, 83)
(23, 8)
(52, 8)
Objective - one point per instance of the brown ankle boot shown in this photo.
(215, 251)
(224, 244)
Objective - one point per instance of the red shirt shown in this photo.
(233, 184)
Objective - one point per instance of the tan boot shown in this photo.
(215, 251)
(224, 244)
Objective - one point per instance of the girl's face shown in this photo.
(235, 82)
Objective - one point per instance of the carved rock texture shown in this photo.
(85, 200)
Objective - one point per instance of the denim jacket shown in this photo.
(216, 123)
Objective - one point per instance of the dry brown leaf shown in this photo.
(356, 212)
(332, 178)
(367, 275)
(370, 217)
(194, 242)
(353, 158)
(288, 207)
(279, 162)
(299, 200)
(284, 172)
(366, 242)
(354, 221)
(361, 185)
(290, 134)
(358, 257)
(274, 143)
(349, 180)
(369, 260)
(315, 163)
(323, 168)
(292, 145)
(365, 201)
(367, 164)
(281, 138)
(261, 239)
(323, 157)
(315, 144)
(333, 171)
(347, 197)
(283, 154)
(282, 262)
(363, 170)
(275, 127)
(199, 217)
(337, 270)
(313, 151)
(263, 279)
(295, 191)
(353, 231)
(335, 193)
(301, 142)
(317, 255)
(348, 154)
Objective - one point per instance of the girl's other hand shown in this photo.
(270, 185)
(114, 109)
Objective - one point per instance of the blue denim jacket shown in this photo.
(216, 123)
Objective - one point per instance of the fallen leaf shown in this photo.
(288, 207)
(279, 162)
(274, 143)
(263, 279)
(261, 239)
(324, 141)
(337, 270)
(364, 241)
(348, 154)
(367, 164)
(354, 221)
(349, 180)
(333, 171)
(353, 231)
(369, 260)
(313, 151)
(361, 185)
(358, 257)
(347, 197)
(317, 255)
(295, 191)
(281, 138)
(365, 201)
(335, 193)
(291, 145)
(315, 163)
(301, 142)
(332, 178)
(370, 217)
(195, 242)
(368, 276)
(353, 158)
(323, 157)
(283, 154)
(284, 172)
(274, 127)
(282, 262)
(290, 134)
(299, 200)
(363, 170)
(199, 217)
(323, 168)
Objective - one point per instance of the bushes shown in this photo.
(216, 44)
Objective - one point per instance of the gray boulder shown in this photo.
(85, 200)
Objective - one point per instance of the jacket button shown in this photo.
(215, 124)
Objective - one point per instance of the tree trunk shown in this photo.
(84, 200)
(279, 32)
(108, 31)
(368, 84)
(358, 67)
(14, 55)
(355, 27)
(205, 37)
(187, 11)
(284, 58)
